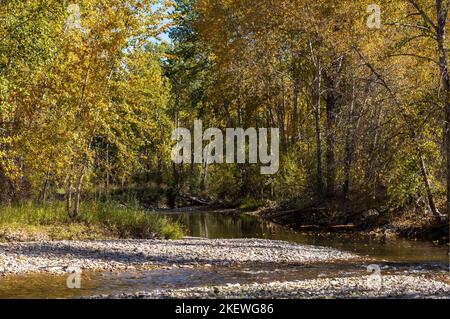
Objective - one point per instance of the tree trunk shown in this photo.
(331, 103)
(317, 102)
(370, 159)
(76, 208)
(350, 141)
(159, 177)
(281, 115)
(69, 196)
(204, 177)
(426, 180)
(172, 192)
(295, 117)
(442, 15)
(44, 188)
(107, 171)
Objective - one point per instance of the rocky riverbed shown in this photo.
(306, 276)
(116, 255)
(391, 286)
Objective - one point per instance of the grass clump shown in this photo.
(97, 220)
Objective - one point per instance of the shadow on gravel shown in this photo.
(107, 255)
(253, 243)
(107, 252)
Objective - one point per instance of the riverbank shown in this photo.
(336, 217)
(96, 221)
(391, 286)
(115, 255)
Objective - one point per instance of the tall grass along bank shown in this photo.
(97, 220)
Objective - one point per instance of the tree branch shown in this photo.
(423, 14)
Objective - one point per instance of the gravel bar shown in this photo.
(56, 257)
(392, 286)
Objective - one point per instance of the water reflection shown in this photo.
(225, 225)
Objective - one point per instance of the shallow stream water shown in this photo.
(393, 256)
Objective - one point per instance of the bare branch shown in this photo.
(424, 15)
(415, 56)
